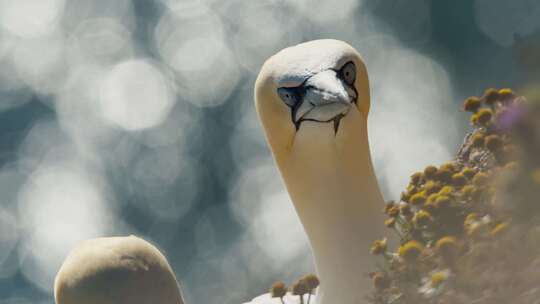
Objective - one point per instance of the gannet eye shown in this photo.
(289, 96)
(348, 72)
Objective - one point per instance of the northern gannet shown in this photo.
(313, 102)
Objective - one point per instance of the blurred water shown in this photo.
(136, 117)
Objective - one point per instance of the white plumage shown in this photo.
(287, 299)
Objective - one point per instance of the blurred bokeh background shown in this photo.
(136, 117)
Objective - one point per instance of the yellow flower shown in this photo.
(393, 211)
(389, 205)
(405, 210)
(472, 104)
(506, 93)
(471, 218)
(484, 116)
(405, 196)
(477, 230)
(491, 96)
(430, 203)
(445, 175)
(439, 277)
(416, 178)
(468, 172)
(443, 201)
(422, 218)
(278, 290)
(432, 187)
(447, 247)
(480, 179)
(430, 288)
(459, 179)
(378, 247)
(299, 288)
(380, 281)
(418, 199)
(446, 190)
(312, 281)
(448, 166)
(410, 251)
(477, 140)
(412, 189)
(474, 119)
(430, 172)
(432, 198)
(468, 191)
(390, 223)
(499, 229)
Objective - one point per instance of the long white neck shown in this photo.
(331, 181)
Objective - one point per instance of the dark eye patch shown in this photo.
(290, 96)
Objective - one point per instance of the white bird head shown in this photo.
(309, 85)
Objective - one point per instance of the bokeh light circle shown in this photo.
(135, 95)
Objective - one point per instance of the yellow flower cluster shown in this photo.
(471, 225)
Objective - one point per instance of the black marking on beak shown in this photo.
(299, 93)
(293, 97)
(337, 121)
(355, 99)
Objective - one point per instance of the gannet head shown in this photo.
(309, 85)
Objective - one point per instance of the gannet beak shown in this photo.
(325, 98)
